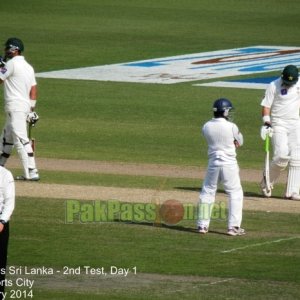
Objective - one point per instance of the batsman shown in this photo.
(20, 93)
(280, 114)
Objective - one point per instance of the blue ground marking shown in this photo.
(160, 62)
(192, 67)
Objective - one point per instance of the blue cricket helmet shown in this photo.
(222, 107)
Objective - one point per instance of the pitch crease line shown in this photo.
(260, 244)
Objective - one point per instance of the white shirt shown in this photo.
(7, 194)
(18, 76)
(220, 135)
(284, 102)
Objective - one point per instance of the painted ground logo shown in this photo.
(192, 67)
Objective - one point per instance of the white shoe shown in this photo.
(202, 230)
(33, 176)
(294, 196)
(266, 192)
(234, 231)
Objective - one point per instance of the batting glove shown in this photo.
(32, 118)
(265, 130)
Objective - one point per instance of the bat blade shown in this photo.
(31, 139)
(32, 143)
(266, 174)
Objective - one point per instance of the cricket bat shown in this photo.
(267, 164)
(31, 139)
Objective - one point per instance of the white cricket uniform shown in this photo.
(7, 205)
(7, 194)
(284, 104)
(221, 135)
(18, 78)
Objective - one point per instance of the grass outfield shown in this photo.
(142, 123)
(172, 262)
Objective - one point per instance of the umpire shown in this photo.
(7, 205)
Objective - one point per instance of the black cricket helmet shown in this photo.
(290, 75)
(13, 44)
(223, 108)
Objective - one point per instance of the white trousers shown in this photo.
(15, 133)
(229, 176)
(286, 141)
(286, 152)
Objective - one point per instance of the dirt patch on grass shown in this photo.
(61, 191)
(97, 283)
(158, 286)
(119, 168)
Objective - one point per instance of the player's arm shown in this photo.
(33, 96)
(266, 129)
(267, 103)
(238, 137)
(265, 113)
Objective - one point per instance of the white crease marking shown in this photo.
(260, 244)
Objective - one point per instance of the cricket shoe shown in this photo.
(266, 192)
(294, 196)
(202, 229)
(234, 231)
(33, 176)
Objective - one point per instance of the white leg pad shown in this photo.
(23, 157)
(277, 166)
(293, 183)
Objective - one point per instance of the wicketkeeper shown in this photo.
(20, 93)
(280, 114)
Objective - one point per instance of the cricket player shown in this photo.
(223, 137)
(280, 114)
(20, 92)
(7, 205)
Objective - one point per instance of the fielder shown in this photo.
(7, 205)
(223, 137)
(280, 114)
(20, 92)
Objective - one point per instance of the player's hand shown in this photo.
(236, 144)
(1, 227)
(32, 118)
(265, 130)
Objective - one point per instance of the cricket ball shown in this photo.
(171, 212)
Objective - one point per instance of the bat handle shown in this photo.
(267, 144)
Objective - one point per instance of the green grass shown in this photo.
(130, 122)
(138, 122)
(166, 250)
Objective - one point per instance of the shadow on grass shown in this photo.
(190, 189)
(221, 191)
(170, 227)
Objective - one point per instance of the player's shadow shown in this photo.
(186, 188)
(221, 191)
(169, 227)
